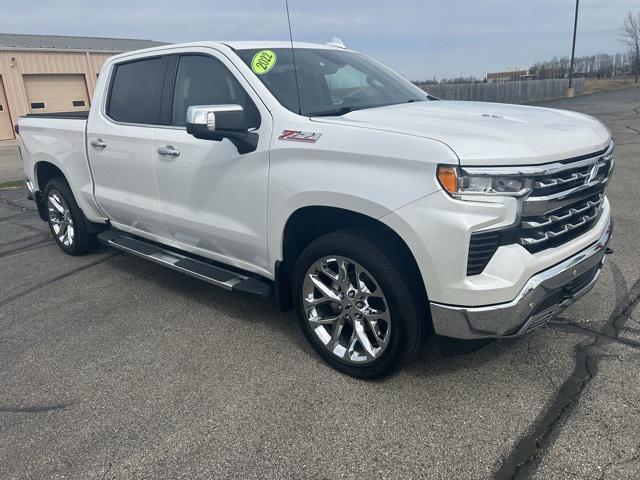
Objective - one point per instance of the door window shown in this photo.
(136, 91)
(204, 80)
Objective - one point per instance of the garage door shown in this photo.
(6, 130)
(56, 93)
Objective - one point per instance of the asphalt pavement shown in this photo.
(115, 368)
(10, 162)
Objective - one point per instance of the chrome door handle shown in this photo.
(169, 151)
(98, 143)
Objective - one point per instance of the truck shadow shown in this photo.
(433, 359)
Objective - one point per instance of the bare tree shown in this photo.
(631, 38)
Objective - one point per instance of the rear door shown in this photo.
(214, 200)
(120, 145)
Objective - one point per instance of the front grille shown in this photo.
(561, 225)
(564, 204)
(565, 200)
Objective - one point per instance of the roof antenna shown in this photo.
(293, 55)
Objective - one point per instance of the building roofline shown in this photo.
(75, 36)
(68, 43)
(59, 50)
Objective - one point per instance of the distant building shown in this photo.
(43, 73)
(510, 76)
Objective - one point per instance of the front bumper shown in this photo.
(543, 297)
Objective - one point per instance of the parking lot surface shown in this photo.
(115, 368)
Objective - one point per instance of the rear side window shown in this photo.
(136, 91)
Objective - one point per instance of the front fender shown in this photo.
(294, 203)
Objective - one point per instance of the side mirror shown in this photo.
(217, 122)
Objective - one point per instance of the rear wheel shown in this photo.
(67, 223)
(354, 305)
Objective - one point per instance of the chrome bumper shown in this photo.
(543, 297)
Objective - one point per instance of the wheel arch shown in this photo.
(43, 172)
(310, 222)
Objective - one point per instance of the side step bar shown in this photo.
(202, 270)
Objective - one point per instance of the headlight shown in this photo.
(458, 183)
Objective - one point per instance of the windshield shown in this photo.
(332, 82)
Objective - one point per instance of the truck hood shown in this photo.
(489, 133)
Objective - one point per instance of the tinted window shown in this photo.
(136, 91)
(203, 80)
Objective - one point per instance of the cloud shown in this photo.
(419, 38)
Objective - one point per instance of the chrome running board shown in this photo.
(192, 266)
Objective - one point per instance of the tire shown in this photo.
(66, 221)
(393, 322)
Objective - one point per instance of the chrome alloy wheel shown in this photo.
(346, 309)
(60, 218)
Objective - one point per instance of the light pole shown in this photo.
(570, 91)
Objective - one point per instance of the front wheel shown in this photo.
(355, 306)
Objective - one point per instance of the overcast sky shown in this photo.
(418, 38)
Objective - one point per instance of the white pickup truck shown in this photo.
(319, 176)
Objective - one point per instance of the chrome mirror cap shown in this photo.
(205, 115)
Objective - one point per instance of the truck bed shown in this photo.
(59, 140)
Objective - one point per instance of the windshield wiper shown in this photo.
(335, 113)
(350, 108)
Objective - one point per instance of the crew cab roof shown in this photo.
(247, 45)
(236, 45)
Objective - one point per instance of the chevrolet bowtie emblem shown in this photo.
(593, 174)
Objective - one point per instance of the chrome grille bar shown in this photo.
(552, 182)
(566, 228)
(563, 214)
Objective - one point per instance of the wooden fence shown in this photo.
(526, 91)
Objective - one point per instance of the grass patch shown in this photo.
(18, 183)
(593, 85)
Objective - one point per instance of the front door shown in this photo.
(213, 200)
(121, 149)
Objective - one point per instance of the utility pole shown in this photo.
(570, 91)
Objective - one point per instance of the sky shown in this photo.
(418, 38)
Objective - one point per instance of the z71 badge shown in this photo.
(299, 136)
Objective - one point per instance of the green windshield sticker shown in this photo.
(263, 61)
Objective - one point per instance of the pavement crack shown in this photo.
(525, 456)
(41, 237)
(108, 469)
(26, 248)
(17, 215)
(633, 129)
(57, 278)
(14, 205)
(570, 327)
(33, 408)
